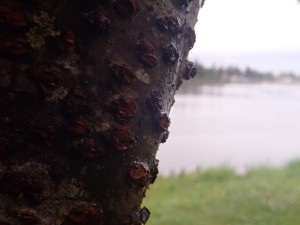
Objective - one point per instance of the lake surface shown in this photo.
(237, 125)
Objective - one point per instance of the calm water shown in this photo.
(236, 125)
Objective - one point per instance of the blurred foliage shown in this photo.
(263, 196)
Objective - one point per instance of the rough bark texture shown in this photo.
(85, 91)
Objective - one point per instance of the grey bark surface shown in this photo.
(85, 92)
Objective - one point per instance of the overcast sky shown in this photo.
(249, 27)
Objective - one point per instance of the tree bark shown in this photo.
(85, 92)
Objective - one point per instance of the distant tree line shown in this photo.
(218, 75)
(234, 74)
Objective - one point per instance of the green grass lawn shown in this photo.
(264, 196)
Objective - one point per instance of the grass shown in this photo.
(263, 196)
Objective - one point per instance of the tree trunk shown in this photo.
(85, 92)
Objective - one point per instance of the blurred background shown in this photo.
(243, 106)
(231, 157)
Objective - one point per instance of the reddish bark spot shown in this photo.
(164, 121)
(66, 42)
(125, 107)
(169, 25)
(190, 71)
(75, 101)
(146, 54)
(139, 173)
(14, 46)
(87, 147)
(20, 185)
(11, 17)
(85, 214)
(123, 72)
(28, 216)
(170, 54)
(98, 20)
(46, 76)
(122, 137)
(127, 8)
(80, 126)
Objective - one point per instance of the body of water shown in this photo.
(237, 125)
